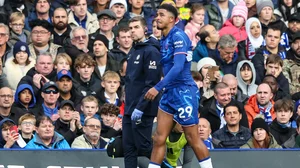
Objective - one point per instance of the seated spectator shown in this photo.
(232, 135)
(8, 136)
(156, 32)
(246, 74)
(62, 61)
(286, 9)
(125, 42)
(251, 5)
(91, 139)
(17, 66)
(97, 6)
(204, 131)
(17, 31)
(89, 108)
(236, 94)
(294, 140)
(45, 136)
(61, 29)
(111, 121)
(26, 127)
(248, 47)
(261, 104)
(4, 47)
(6, 101)
(278, 93)
(89, 84)
(195, 23)
(261, 136)
(236, 24)
(68, 124)
(119, 7)
(293, 26)
(226, 56)
(281, 127)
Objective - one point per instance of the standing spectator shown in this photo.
(17, 66)
(6, 101)
(143, 72)
(261, 137)
(261, 103)
(252, 10)
(89, 108)
(61, 29)
(246, 75)
(27, 127)
(91, 139)
(195, 23)
(79, 16)
(45, 136)
(119, 7)
(281, 127)
(248, 47)
(232, 135)
(5, 49)
(236, 94)
(17, 31)
(8, 138)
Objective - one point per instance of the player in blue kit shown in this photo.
(180, 98)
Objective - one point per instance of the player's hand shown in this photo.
(151, 94)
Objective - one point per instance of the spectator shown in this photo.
(232, 135)
(293, 26)
(204, 131)
(291, 65)
(17, 66)
(217, 12)
(61, 29)
(4, 47)
(213, 108)
(119, 7)
(3, 80)
(226, 56)
(111, 122)
(45, 136)
(89, 84)
(278, 93)
(68, 124)
(248, 47)
(287, 8)
(6, 101)
(195, 23)
(246, 75)
(281, 127)
(26, 127)
(272, 47)
(232, 83)
(25, 101)
(252, 10)
(209, 38)
(236, 24)
(8, 137)
(91, 139)
(40, 36)
(89, 108)
(79, 16)
(17, 31)
(291, 142)
(125, 44)
(103, 58)
(157, 34)
(62, 61)
(98, 5)
(261, 137)
(261, 103)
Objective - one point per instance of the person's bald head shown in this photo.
(6, 97)
(204, 129)
(231, 81)
(264, 94)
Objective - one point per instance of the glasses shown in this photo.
(17, 25)
(3, 34)
(6, 96)
(51, 91)
(105, 19)
(93, 126)
(42, 32)
(27, 123)
(77, 38)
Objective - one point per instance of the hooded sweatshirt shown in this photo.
(247, 89)
(19, 90)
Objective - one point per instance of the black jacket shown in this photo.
(64, 130)
(209, 112)
(61, 39)
(281, 134)
(89, 88)
(109, 132)
(111, 65)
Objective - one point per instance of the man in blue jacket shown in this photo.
(143, 72)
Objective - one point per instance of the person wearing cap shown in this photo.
(61, 29)
(103, 57)
(261, 136)
(107, 20)
(293, 26)
(68, 124)
(216, 14)
(80, 16)
(291, 65)
(232, 135)
(286, 8)
(17, 66)
(119, 7)
(40, 36)
(67, 88)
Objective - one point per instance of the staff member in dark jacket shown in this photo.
(143, 72)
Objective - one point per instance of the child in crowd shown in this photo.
(111, 121)
(8, 136)
(24, 101)
(183, 11)
(156, 32)
(17, 31)
(236, 24)
(195, 23)
(246, 75)
(62, 61)
(26, 127)
(89, 108)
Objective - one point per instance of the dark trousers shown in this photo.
(137, 139)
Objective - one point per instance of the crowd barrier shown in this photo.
(99, 159)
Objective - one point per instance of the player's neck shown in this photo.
(166, 31)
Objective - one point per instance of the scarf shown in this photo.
(250, 50)
(208, 143)
(220, 111)
(266, 112)
(287, 125)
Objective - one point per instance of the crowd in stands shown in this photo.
(63, 71)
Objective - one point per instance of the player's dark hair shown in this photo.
(169, 8)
